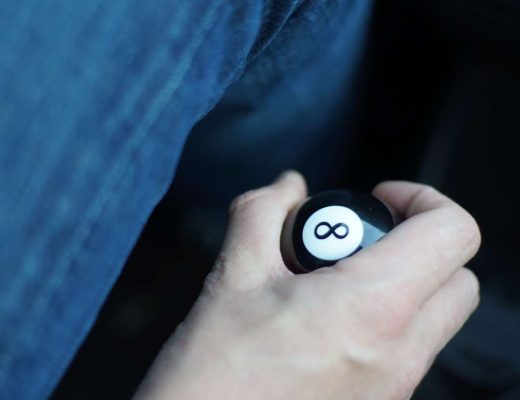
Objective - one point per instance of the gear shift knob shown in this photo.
(331, 226)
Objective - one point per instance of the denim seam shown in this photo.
(244, 63)
(260, 51)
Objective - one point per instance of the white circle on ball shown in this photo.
(325, 236)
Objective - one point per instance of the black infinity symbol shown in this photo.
(332, 230)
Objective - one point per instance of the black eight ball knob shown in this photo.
(331, 226)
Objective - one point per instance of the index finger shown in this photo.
(436, 239)
(257, 216)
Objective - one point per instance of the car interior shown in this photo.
(438, 101)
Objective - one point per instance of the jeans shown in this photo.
(97, 101)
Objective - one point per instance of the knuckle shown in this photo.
(390, 312)
(427, 191)
(246, 199)
(460, 227)
(424, 196)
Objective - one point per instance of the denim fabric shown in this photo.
(97, 99)
(290, 109)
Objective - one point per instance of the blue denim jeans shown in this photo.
(97, 100)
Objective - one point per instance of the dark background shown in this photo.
(438, 101)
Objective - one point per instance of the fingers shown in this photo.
(252, 244)
(437, 238)
(442, 316)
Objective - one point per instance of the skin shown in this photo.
(367, 328)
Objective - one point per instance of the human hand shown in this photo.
(367, 328)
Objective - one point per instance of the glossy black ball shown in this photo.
(330, 226)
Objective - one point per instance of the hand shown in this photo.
(367, 328)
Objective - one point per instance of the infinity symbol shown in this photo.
(332, 230)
